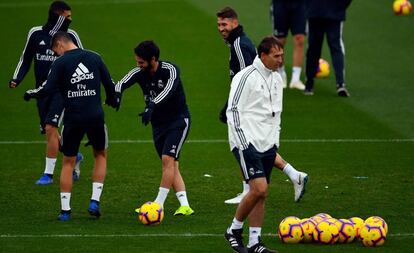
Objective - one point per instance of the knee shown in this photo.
(260, 191)
(299, 40)
(167, 162)
(51, 130)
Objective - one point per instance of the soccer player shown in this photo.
(37, 49)
(254, 111)
(242, 54)
(290, 15)
(166, 109)
(77, 76)
(326, 17)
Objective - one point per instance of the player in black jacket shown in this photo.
(77, 76)
(37, 50)
(166, 109)
(326, 17)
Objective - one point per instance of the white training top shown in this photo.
(254, 108)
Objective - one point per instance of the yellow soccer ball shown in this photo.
(346, 230)
(358, 224)
(372, 235)
(323, 69)
(308, 226)
(326, 233)
(290, 230)
(376, 220)
(151, 213)
(402, 7)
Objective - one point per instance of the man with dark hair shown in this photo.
(242, 54)
(254, 111)
(290, 15)
(50, 108)
(77, 76)
(326, 17)
(166, 109)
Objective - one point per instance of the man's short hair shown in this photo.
(146, 50)
(267, 43)
(227, 12)
(60, 36)
(58, 7)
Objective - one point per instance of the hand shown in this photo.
(114, 102)
(27, 96)
(222, 115)
(12, 84)
(147, 114)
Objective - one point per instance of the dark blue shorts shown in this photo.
(50, 111)
(288, 15)
(169, 137)
(260, 166)
(72, 136)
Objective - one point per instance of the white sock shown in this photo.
(246, 187)
(50, 165)
(65, 201)
(182, 197)
(235, 225)
(291, 172)
(254, 233)
(162, 195)
(296, 74)
(96, 191)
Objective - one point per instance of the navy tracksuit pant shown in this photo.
(318, 27)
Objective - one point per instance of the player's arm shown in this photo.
(75, 38)
(239, 92)
(25, 61)
(111, 97)
(128, 80)
(48, 87)
(173, 79)
(243, 56)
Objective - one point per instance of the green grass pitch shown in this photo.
(369, 135)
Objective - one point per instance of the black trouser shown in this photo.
(318, 27)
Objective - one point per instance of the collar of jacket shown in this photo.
(258, 64)
(56, 23)
(235, 33)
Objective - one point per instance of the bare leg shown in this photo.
(99, 168)
(52, 138)
(66, 174)
(257, 193)
(280, 163)
(298, 46)
(178, 184)
(168, 171)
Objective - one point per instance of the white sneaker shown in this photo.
(284, 79)
(297, 85)
(237, 199)
(300, 185)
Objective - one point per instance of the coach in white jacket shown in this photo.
(253, 113)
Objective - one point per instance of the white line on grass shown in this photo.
(225, 141)
(147, 235)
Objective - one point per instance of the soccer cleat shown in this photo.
(64, 215)
(183, 210)
(307, 92)
(76, 169)
(45, 179)
(260, 248)
(94, 208)
(342, 92)
(297, 85)
(237, 199)
(300, 185)
(236, 240)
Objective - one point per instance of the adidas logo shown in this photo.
(81, 73)
(42, 43)
(172, 151)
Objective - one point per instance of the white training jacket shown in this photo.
(254, 108)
